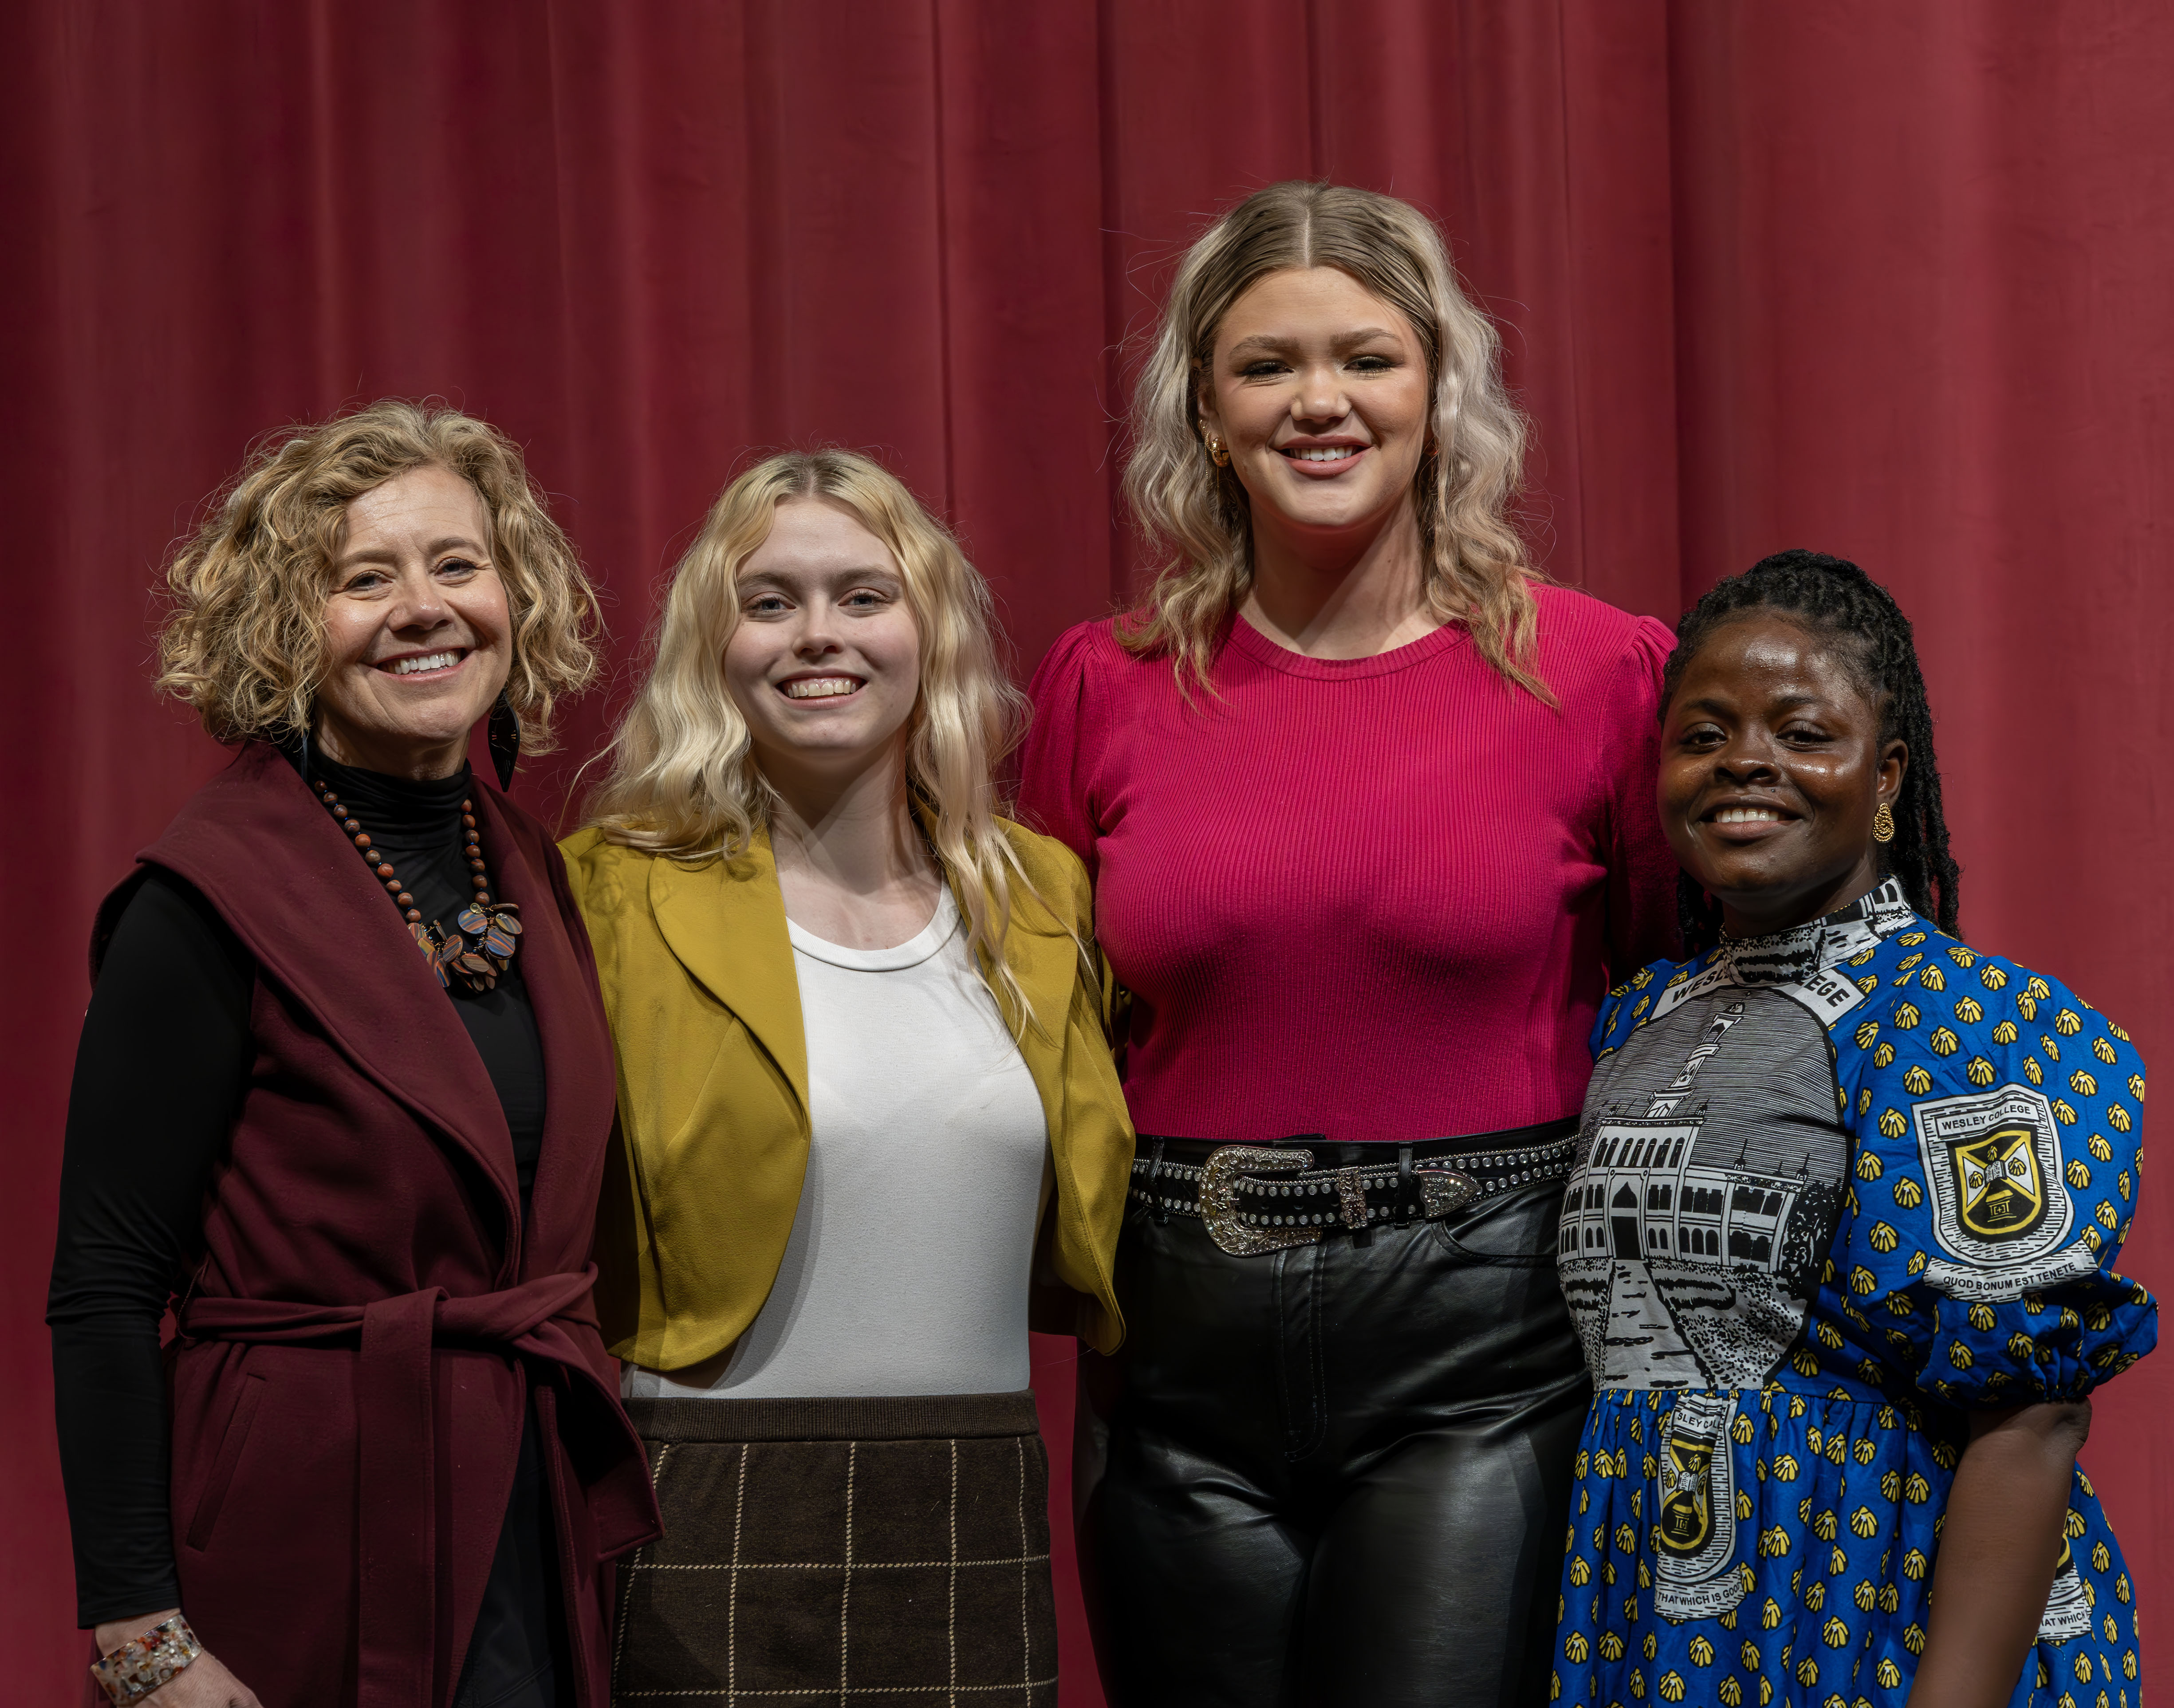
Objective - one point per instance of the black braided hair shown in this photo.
(1832, 597)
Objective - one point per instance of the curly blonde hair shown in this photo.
(244, 637)
(1474, 567)
(682, 780)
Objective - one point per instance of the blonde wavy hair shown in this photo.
(243, 641)
(683, 781)
(1475, 569)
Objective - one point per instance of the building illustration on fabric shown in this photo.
(1688, 1244)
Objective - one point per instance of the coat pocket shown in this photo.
(232, 1441)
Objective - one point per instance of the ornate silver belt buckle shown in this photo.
(1226, 1173)
(1221, 1176)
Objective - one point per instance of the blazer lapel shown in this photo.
(269, 858)
(726, 922)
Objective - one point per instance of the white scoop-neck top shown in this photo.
(907, 1268)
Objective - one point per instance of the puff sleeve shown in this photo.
(1641, 867)
(1997, 1124)
(1056, 764)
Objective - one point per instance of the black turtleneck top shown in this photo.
(165, 1056)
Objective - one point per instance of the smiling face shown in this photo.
(825, 663)
(1772, 765)
(416, 628)
(1319, 390)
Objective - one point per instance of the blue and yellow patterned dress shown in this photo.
(1834, 1186)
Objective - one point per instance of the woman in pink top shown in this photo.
(1369, 808)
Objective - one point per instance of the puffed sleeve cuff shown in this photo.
(2058, 1344)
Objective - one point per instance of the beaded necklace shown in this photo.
(486, 932)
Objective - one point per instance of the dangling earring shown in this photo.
(1882, 824)
(505, 736)
(1218, 453)
(293, 746)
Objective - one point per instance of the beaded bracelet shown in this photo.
(136, 1668)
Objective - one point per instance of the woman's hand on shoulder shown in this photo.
(204, 1682)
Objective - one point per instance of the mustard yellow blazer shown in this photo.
(705, 1172)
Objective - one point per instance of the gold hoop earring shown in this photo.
(1882, 824)
(1218, 453)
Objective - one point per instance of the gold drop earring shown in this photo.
(1882, 824)
(1218, 453)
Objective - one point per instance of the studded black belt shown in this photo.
(1262, 1197)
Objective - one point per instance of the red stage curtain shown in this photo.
(1885, 280)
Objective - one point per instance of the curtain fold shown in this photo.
(1886, 281)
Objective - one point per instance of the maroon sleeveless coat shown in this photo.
(370, 1317)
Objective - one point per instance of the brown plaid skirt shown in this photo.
(855, 1551)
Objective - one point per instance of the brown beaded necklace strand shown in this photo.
(485, 933)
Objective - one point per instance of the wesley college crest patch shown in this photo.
(2003, 1194)
(1993, 1163)
(1695, 1574)
(1687, 1505)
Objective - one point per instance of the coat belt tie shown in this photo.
(396, 1430)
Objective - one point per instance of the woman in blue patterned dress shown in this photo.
(1840, 1239)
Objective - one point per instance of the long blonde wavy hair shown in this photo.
(683, 781)
(243, 641)
(1475, 570)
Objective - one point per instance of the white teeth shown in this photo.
(1747, 815)
(425, 661)
(1325, 453)
(820, 687)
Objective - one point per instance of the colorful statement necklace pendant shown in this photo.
(486, 932)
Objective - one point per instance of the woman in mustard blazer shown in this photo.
(867, 1106)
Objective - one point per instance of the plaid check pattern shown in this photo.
(860, 1563)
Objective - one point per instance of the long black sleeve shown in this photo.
(159, 1072)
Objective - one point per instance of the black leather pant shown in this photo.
(1340, 1474)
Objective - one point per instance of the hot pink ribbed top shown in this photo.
(1372, 897)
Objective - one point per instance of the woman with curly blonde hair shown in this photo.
(867, 1108)
(1368, 805)
(353, 1113)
